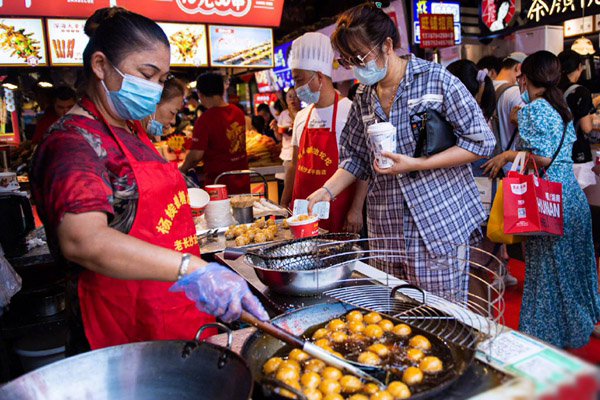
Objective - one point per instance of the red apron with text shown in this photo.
(317, 162)
(116, 311)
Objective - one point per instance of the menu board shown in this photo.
(22, 42)
(66, 41)
(283, 73)
(238, 46)
(188, 44)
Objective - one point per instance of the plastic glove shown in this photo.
(218, 291)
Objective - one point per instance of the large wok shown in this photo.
(259, 347)
(170, 369)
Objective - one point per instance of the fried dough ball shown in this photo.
(380, 349)
(373, 331)
(260, 222)
(287, 393)
(314, 366)
(350, 384)
(381, 395)
(331, 373)
(238, 230)
(269, 235)
(354, 316)
(356, 326)
(402, 330)
(313, 394)
(310, 380)
(414, 355)
(251, 233)
(386, 325)
(260, 237)
(358, 397)
(284, 224)
(338, 337)
(302, 217)
(329, 386)
(242, 240)
(398, 390)
(273, 228)
(290, 364)
(320, 333)
(412, 376)
(287, 374)
(333, 396)
(271, 365)
(336, 325)
(372, 318)
(369, 358)
(371, 388)
(230, 234)
(270, 222)
(298, 355)
(430, 365)
(419, 342)
(322, 342)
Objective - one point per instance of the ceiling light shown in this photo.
(192, 85)
(9, 86)
(45, 84)
(583, 46)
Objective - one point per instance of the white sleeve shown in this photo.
(297, 131)
(284, 119)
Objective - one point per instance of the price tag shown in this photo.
(321, 209)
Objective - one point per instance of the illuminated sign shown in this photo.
(22, 42)
(497, 15)
(66, 41)
(188, 44)
(431, 7)
(437, 30)
(239, 46)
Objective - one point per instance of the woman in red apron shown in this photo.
(124, 292)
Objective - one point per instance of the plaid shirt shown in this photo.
(444, 202)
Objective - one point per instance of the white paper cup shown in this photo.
(198, 201)
(382, 137)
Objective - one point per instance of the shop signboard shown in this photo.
(237, 12)
(436, 7)
(496, 16)
(22, 42)
(66, 41)
(437, 30)
(548, 12)
(240, 47)
(283, 73)
(188, 44)
(265, 81)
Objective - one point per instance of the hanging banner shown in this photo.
(235, 12)
(437, 30)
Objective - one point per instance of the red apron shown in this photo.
(317, 162)
(117, 311)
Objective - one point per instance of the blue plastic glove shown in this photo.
(218, 291)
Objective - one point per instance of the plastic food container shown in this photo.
(305, 228)
(198, 201)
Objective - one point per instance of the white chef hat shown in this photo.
(312, 52)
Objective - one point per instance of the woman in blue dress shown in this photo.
(560, 296)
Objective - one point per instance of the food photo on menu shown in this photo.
(21, 41)
(188, 44)
(234, 46)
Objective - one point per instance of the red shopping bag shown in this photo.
(532, 206)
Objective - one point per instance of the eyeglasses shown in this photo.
(358, 61)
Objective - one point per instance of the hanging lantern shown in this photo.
(583, 46)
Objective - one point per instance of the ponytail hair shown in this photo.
(466, 71)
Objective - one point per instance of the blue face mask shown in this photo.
(370, 74)
(154, 127)
(306, 95)
(525, 96)
(136, 99)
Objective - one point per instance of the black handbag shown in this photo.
(434, 133)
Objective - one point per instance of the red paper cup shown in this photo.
(198, 201)
(306, 228)
(217, 192)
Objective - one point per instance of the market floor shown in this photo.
(512, 296)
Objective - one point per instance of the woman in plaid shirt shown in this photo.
(425, 207)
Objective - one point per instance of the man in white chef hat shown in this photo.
(316, 134)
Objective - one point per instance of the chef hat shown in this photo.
(312, 52)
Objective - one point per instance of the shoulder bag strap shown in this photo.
(570, 90)
(562, 139)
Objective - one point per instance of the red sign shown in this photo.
(437, 30)
(232, 12)
(497, 18)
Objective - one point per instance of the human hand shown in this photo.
(402, 164)
(494, 165)
(218, 291)
(318, 195)
(273, 125)
(353, 222)
(513, 116)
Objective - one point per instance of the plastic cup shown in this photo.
(198, 201)
(382, 137)
(216, 192)
(306, 228)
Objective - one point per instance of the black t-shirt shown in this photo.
(580, 103)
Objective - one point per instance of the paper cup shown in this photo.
(216, 192)
(8, 182)
(198, 201)
(382, 137)
(306, 228)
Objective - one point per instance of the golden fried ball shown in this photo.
(260, 222)
(371, 388)
(358, 397)
(270, 222)
(380, 349)
(372, 318)
(381, 395)
(290, 364)
(386, 325)
(412, 376)
(320, 333)
(302, 217)
(284, 224)
(238, 230)
(368, 358)
(322, 342)
(338, 337)
(331, 373)
(329, 386)
(287, 374)
(430, 365)
(398, 390)
(269, 235)
(310, 380)
(260, 238)
(350, 384)
(229, 234)
(314, 366)
(356, 326)
(313, 394)
(357, 337)
(354, 316)
(414, 355)
(402, 330)
(273, 229)
(271, 365)
(242, 240)
(287, 393)
(336, 325)
(373, 331)
(298, 355)
(419, 342)
(333, 396)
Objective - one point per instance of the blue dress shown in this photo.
(560, 295)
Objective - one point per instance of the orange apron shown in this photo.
(317, 162)
(116, 311)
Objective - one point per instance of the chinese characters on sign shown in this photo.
(545, 8)
(495, 15)
(315, 151)
(437, 30)
(67, 41)
(164, 224)
(436, 7)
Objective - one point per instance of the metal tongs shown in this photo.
(209, 235)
